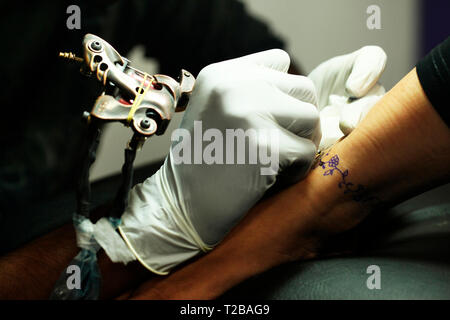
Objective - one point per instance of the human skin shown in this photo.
(401, 149)
(31, 271)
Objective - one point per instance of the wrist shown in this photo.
(332, 199)
(400, 149)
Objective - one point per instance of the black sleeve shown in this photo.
(434, 76)
(191, 34)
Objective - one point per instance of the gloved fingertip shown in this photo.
(329, 122)
(367, 69)
(276, 59)
(281, 60)
(302, 88)
(353, 113)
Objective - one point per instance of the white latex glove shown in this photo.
(347, 88)
(184, 209)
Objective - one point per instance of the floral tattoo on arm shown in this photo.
(359, 193)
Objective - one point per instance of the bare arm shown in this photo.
(402, 148)
(31, 272)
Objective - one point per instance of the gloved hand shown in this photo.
(186, 208)
(347, 88)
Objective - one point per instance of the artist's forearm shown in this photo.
(31, 272)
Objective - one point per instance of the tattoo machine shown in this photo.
(143, 102)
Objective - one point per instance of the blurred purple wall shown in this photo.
(436, 23)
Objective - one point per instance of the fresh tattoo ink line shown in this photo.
(357, 192)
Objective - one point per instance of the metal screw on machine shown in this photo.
(145, 123)
(95, 45)
(148, 124)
